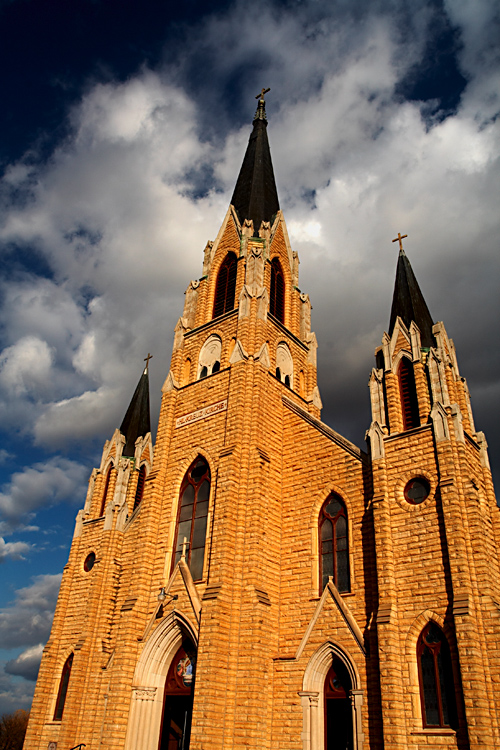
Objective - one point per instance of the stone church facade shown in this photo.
(255, 580)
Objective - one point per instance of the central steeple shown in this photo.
(255, 196)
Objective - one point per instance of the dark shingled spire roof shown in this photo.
(408, 302)
(255, 196)
(136, 422)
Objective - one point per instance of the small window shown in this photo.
(89, 562)
(192, 517)
(63, 688)
(417, 490)
(139, 492)
(210, 355)
(225, 287)
(333, 543)
(284, 364)
(408, 391)
(105, 492)
(437, 688)
(277, 292)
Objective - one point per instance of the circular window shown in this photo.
(417, 490)
(89, 562)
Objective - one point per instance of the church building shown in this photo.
(254, 580)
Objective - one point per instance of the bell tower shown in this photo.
(436, 520)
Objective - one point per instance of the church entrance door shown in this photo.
(178, 703)
(338, 710)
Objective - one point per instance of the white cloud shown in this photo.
(12, 550)
(41, 485)
(27, 663)
(27, 621)
(113, 212)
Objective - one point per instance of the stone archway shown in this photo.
(312, 696)
(146, 707)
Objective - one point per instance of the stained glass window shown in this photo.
(333, 543)
(437, 690)
(63, 688)
(192, 517)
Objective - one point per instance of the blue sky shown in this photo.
(123, 128)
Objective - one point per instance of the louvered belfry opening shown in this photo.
(277, 292)
(139, 493)
(226, 286)
(409, 403)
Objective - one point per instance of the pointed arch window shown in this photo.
(437, 689)
(192, 517)
(225, 287)
(139, 492)
(408, 391)
(333, 543)
(277, 292)
(63, 688)
(106, 489)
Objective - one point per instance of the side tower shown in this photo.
(79, 647)
(436, 525)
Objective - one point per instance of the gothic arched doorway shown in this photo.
(178, 700)
(338, 708)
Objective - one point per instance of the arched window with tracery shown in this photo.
(139, 492)
(277, 291)
(106, 490)
(333, 543)
(437, 688)
(408, 391)
(192, 517)
(225, 287)
(63, 688)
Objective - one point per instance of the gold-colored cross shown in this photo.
(400, 237)
(146, 359)
(262, 94)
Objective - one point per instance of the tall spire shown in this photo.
(408, 301)
(136, 422)
(255, 196)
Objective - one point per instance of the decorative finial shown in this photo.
(261, 107)
(146, 360)
(184, 543)
(400, 238)
(262, 94)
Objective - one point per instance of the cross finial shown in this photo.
(146, 360)
(262, 94)
(400, 238)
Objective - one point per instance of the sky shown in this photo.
(123, 127)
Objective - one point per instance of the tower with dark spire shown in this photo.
(262, 582)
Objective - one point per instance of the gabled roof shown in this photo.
(408, 302)
(137, 422)
(255, 196)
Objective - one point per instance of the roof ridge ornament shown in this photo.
(260, 114)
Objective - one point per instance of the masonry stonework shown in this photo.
(261, 631)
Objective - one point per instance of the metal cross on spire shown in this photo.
(262, 94)
(146, 360)
(400, 237)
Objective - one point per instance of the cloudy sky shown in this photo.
(123, 127)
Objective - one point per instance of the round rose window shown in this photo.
(417, 490)
(89, 562)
